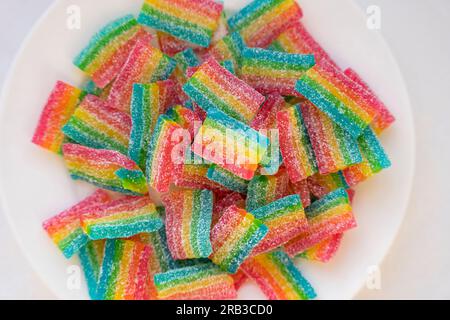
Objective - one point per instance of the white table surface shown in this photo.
(418, 264)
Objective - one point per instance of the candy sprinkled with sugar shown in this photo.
(325, 250)
(222, 203)
(321, 185)
(228, 48)
(91, 258)
(186, 118)
(302, 189)
(227, 179)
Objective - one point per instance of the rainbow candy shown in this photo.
(121, 218)
(124, 273)
(334, 148)
(148, 101)
(212, 86)
(285, 219)
(96, 125)
(194, 21)
(262, 21)
(200, 282)
(91, 258)
(221, 203)
(227, 179)
(160, 164)
(321, 185)
(145, 64)
(342, 99)
(324, 250)
(263, 190)
(271, 71)
(301, 188)
(100, 167)
(188, 223)
(277, 276)
(230, 144)
(108, 50)
(234, 237)
(171, 45)
(326, 217)
(295, 144)
(65, 228)
(375, 159)
(194, 176)
(186, 58)
(229, 48)
(186, 118)
(59, 108)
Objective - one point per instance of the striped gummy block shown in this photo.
(229, 48)
(227, 179)
(91, 259)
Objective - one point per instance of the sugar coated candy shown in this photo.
(65, 228)
(124, 273)
(278, 277)
(229, 48)
(121, 218)
(234, 237)
(91, 258)
(188, 223)
(227, 179)
(204, 281)
(302, 189)
(262, 21)
(57, 111)
(96, 125)
(171, 45)
(212, 86)
(186, 58)
(321, 185)
(190, 20)
(107, 51)
(186, 118)
(239, 279)
(99, 167)
(324, 250)
(326, 217)
(295, 145)
(285, 219)
(221, 203)
(271, 71)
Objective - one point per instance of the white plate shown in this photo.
(34, 184)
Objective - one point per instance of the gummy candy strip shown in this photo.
(121, 218)
(190, 20)
(277, 276)
(375, 159)
(188, 223)
(91, 258)
(59, 108)
(263, 190)
(324, 250)
(65, 228)
(285, 219)
(99, 167)
(195, 176)
(199, 282)
(328, 216)
(266, 118)
(228, 48)
(227, 179)
(321, 185)
(295, 144)
(145, 64)
(262, 21)
(124, 273)
(271, 71)
(212, 86)
(230, 144)
(233, 238)
(334, 148)
(96, 125)
(148, 101)
(108, 50)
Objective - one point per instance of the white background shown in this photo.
(418, 264)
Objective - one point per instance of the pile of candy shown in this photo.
(248, 130)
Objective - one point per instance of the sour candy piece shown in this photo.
(326, 217)
(124, 273)
(96, 125)
(59, 108)
(222, 203)
(200, 282)
(234, 237)
(145, 64)
(375, 159)
(230, 144)
(99, 167)
(186, 118)
(107, 51)
(321, 185)
(186, 58)
(65, 228)
(212, 86)
(227, 179)
(190, 20)
(285, 219)
(271, 71)
(171, 45)
(148, 101)
(262, 21)
(194, 176)
(295, 145)
(121, 218)
(334, 148)
(301, 188)
(228, 48)
(324, 250)
(278, 277)
(91, 258)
